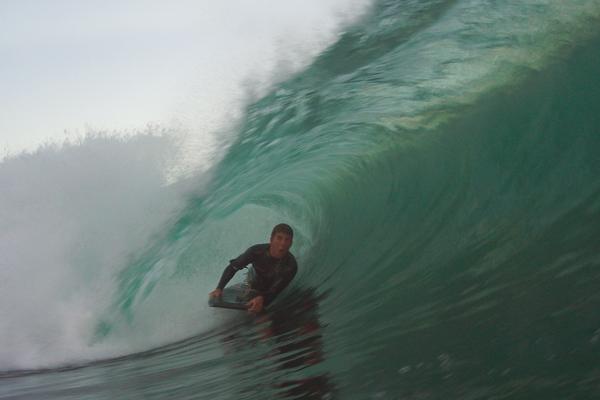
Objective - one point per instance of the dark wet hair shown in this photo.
(282, 228)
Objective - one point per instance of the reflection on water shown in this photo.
(289, 340)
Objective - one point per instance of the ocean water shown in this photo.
(440, 164)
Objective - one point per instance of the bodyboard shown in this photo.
(234, 297)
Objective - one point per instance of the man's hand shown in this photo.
(256, 304)
(216, 293)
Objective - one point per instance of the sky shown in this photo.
(71, 67)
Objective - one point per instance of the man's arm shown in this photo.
(234, 266)
(228, 273)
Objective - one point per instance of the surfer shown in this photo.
(273, 268)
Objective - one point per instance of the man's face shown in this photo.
(280, 245)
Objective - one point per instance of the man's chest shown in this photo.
(268, 267)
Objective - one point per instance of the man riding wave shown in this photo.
(273, 268)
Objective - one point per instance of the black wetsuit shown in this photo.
(269, 275)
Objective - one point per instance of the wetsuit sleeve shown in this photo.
(281, 283)
(235, 265)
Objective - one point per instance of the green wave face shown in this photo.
(440, 166)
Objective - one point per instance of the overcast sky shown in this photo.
(70, 66)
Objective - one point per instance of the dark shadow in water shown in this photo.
(286, 341)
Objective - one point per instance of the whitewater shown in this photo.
(439, 163)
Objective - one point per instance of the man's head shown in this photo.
(281, 240)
